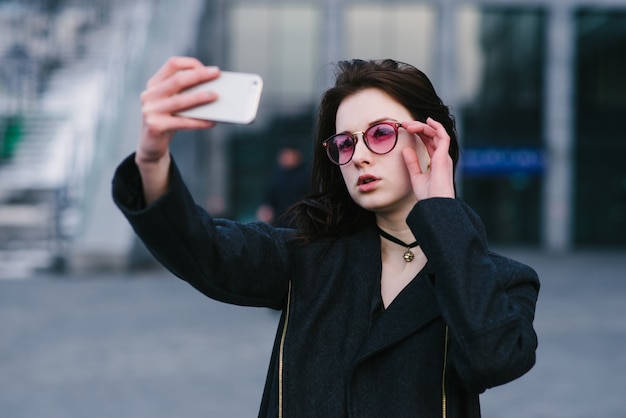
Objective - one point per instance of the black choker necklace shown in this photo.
(408, 254)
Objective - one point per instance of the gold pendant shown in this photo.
(408, 256)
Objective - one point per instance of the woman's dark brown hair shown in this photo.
(330, 211)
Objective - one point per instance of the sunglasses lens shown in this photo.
(340, 148)
(381, 138)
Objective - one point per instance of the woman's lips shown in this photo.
(366, 183)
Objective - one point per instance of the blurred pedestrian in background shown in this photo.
(289, 182)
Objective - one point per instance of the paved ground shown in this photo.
(146, 345)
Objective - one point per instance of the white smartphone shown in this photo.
(238, 101)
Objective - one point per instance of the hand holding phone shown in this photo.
(238, 98)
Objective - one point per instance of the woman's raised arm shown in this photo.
(160, 103)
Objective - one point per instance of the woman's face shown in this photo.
(378, 183)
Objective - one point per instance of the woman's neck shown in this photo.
(395, 226)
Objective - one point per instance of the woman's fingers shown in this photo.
(432, 133)
(162, 99)
(178, 82)
(172, 66)
(437, 181)
(162, 96)
(440, 138)
(159, 124)
(177, 103)
(411, 161)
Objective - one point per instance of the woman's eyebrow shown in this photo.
(374, 122)
(385, 119)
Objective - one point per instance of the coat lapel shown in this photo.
(414, 307)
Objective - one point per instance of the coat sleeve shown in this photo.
(488, 301)
(243, 264)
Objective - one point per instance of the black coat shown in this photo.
(330, 358)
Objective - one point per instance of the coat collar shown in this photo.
(415, 306)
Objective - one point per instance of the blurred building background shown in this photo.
(537, 88)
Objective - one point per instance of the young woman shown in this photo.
(392, 304)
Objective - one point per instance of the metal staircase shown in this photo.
(59, 127)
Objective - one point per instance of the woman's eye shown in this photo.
(345, 144)
(381, 133)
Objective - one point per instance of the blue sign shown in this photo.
(498, 161)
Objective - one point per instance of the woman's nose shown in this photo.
(362, 154)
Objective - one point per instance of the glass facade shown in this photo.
(403, 32)
(501, 160)
(499, 91)
(600, 152)
(537, 89)
(281, 43)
